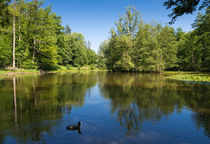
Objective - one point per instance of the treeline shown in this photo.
(138, 46)
(32, 37)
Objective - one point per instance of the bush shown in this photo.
(68, 67)
(28, 64)
(93, 67)
(124, 64)
(60, 67)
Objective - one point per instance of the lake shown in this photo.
(115, 108)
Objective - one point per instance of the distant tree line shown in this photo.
(32, 37)
(138, 46)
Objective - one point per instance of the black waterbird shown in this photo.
(74, 127)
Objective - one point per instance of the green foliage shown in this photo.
(72, 50)
(194, 47)
(189, 76)
(152, 48)
(180, 7)
(168, 46)
(128, 23)
(67, 30)
(147, 49)
(92, 57)
(28, 64)
(4, 13)
(124, 64)
(5, 51)
(41, 40)
(101, 55)
(155, 48)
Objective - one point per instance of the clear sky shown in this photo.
(94, 18)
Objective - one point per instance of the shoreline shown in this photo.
(27, 72)
(188, 76)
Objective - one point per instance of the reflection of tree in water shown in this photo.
(135, 98)
(39, 101)
(148, 98)
(2, 138)
(202, 120)
(199, 102)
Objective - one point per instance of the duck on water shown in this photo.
(74, 127)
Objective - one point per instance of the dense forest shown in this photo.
(138, 46)
(32, 37)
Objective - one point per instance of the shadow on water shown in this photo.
(31, 106)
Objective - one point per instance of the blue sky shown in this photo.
(94, 18)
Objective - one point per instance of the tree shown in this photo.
(180, 7)
(128, 23)
(92, 57)
(168, 46)
(13, 50)
(124, 63)
(67, 30)
(101, 54)
(5, 50)
(4, 12)
(122, 38)
(38, 39)
(201, 36)
(147, 49)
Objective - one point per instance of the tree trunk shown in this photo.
(161, 60)
(13, 50)
(34, 50)
(157, 60)
(193, 62)
(19, 28)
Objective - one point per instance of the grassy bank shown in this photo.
(71, 68)
(188, 76)
(178, 75)
(4, 72)
(17, 72)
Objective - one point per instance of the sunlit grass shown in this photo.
(75, 69)
(188, 76)
(17, 71)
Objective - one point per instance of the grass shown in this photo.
(7, 72)
(71, 68)
(188, 76)
(4, 72)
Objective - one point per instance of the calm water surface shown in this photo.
(115, 108)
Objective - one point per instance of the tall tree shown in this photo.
(13, 50)
(122, 38)
(168, 46)
(128, 23)
(201, 36)
(67, 30)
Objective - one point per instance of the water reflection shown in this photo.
(37, 101)
(31, 106)
(138, 98)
